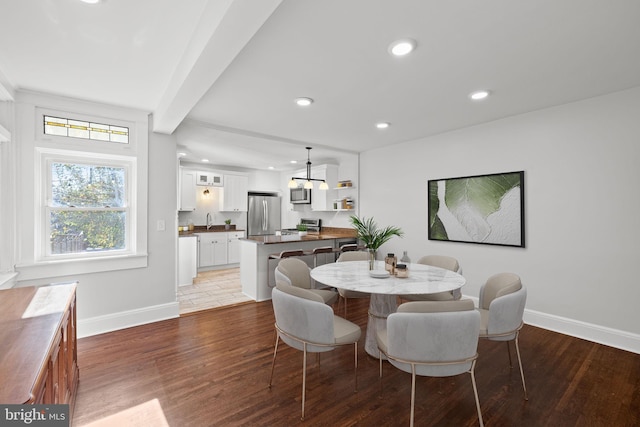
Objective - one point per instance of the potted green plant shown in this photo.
(302, 229)
(373, 237)
(227, 224)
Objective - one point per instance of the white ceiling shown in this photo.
(232, 68)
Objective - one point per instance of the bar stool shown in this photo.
(282, 255)
(320, 250)
(287, 254)
(345, 248)
(349, 247)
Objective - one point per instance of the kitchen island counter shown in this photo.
(293, 238)
(256, 270)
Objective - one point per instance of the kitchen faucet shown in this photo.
(208, 220)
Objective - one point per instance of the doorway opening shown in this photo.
(212, 289)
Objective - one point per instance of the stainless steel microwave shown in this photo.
(300, 195)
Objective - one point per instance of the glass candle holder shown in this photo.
(402, 270)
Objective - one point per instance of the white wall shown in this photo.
(582, 204)
(113, 300)
(7, 194)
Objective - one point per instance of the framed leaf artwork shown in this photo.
(485, 209)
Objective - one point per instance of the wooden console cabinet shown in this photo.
(38, 353)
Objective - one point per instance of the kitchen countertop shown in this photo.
(328, 233)
(213, 229)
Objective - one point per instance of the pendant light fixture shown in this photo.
(308, 184)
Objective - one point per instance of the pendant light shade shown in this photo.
(308, 181)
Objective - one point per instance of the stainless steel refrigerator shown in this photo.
(264, 214)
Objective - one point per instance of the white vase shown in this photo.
(302, 233)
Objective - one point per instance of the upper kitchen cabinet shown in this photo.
(234, 194)
(187, 197)
(322, 200)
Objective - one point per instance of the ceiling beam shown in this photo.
(225, 28)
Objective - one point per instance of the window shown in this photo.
(88, 208)
(87, 130)
(87, 205)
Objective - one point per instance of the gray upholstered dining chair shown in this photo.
(501, 306)
(433, 339)
(344, 293)
(305, 323)
(295, 272)
(442, 261)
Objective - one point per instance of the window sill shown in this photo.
(49, 269)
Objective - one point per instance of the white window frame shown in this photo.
(47, 157)
(35, 145)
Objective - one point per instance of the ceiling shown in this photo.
(223, 74)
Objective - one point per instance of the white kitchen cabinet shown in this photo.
(234, 195)
(187, 197)
(233, 248)
(187, 259)
(213, 249)
(322, 200)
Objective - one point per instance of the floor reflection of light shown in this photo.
(147, 414)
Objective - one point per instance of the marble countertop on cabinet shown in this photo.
(329, 234)
(203, 229)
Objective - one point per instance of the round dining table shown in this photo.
(356, 276)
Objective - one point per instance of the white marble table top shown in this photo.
(354, 276)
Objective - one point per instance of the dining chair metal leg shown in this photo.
(509, 352)
(380, 375)
(304, 375)
(413, 391)
(345, 307)
(273, 363)
(355, 364)
(475, 392)
(526, 397)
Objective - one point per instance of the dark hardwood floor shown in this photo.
(212, 368)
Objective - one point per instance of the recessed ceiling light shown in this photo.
(91, 1)
(402, 47)
(382, 125)
(182, 154)
(293, 162)
(478, 95)
(205, 160)
(304, 102)
(271, 168)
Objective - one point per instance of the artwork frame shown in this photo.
(482, 209)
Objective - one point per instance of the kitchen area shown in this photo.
(229, 222)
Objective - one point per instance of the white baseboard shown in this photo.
(588, 331)
(8, 280)
(126, 319)
(608, 336)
